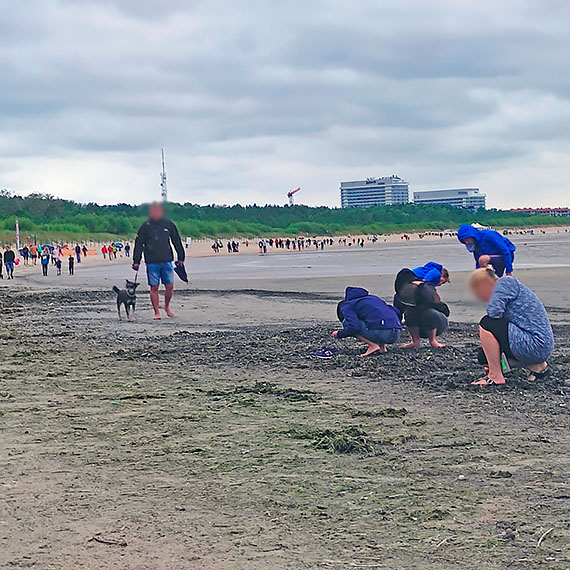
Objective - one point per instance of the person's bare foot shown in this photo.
(537, 371)
(436, 344)
(488, 381)
(157, 317)
(169, 312)
(373, 350)
(411, 345)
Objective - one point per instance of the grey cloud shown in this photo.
(443, 92)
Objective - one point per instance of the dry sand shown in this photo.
(214, 441)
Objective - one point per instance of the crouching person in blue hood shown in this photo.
(489, 248)
(433, 273)
(369, 319)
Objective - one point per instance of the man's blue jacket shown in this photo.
(488, 242)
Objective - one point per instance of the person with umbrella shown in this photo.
(155, 239)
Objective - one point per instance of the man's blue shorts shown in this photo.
(158, 273)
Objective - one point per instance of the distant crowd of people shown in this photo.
(50, 255)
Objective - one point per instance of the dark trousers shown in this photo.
(426, 320)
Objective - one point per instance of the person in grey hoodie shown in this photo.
(516, 325)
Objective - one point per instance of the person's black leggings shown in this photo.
(426, 320)
(499, 328)
(44, 269)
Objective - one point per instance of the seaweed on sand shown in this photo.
(351, 439)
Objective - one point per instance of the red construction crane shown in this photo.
(291, 194)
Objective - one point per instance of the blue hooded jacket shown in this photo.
(430, 272)
(361, 307)
(488, 242)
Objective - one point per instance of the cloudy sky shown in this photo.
(252, 98)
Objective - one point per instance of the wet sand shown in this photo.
(214, 440)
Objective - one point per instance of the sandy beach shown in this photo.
(214, 441)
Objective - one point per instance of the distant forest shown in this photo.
(50, 218)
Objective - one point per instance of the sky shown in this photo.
(253, 98)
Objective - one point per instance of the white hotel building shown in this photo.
(469, 198)
(383, 191)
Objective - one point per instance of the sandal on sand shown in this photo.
(538, 375)
(485, 381)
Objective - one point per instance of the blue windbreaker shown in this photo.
(488, 242)
(430, 272)
(361, 307)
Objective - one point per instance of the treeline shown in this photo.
(49, 218)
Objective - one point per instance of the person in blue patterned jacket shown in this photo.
(516, 325)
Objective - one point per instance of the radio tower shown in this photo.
(163, 190)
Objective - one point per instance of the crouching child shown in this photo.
(369, 319)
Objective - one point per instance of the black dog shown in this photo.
(127, 297)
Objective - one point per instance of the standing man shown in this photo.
(154, 239)
(9, 259)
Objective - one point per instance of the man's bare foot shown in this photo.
(373, 350)
(411, 345)
(169, 312)
(436, 344)
(157, 317)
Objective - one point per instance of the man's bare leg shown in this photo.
(415, 334)
(492, 352)
(372, 346)
(169, 291)
(154, 299)
(433, 340)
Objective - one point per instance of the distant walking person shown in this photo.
(26, 254)
(9, 259)
(58, 265)
(71, 265)
(154, 240)
(128, 250)
(45, 261)
(104, 251)
(34, 253)
(84, 250)
(489, 248)
(78, 253)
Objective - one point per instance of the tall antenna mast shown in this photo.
(163, 191)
